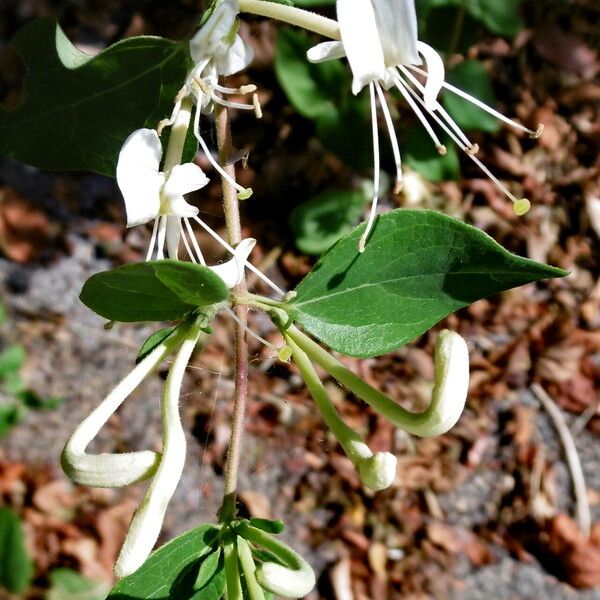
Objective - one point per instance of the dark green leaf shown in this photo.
(11, 360)
(500, 16)
(418, 267)
(320, 222)
(16, 568)
(162, 290)
(78, 109)
(171, 571)
(30, 399)
(157, 338)
(471, 76)
(66, 584)
(275, 527)
(208, 569)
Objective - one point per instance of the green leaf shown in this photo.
(66, 584)
(16, 568)
(422, 155)
(11, 360)
(163, 290)
(499, 16)
(320, 222)
(471, 77)
(78, 109)
(274, 527)
(32, 400)
(170, 572)
(157, 338)
(418, 267)
(208, 569)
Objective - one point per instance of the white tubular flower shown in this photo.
(147, 520)
(379, 38)
(150, 194)
(232, 271)
(112, 470)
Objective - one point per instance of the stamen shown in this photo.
(162, 236)
(257, 107)
(186, 243)
(520, 204)
(248, 264)
(194, 241)
(229, 103)
(243, 192)
(152, 239)
(485, 107)
(438, 108)
(405, 91)
(393, 138)
(242, 90)
(247, 329)
(377, 168)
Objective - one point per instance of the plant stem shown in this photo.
(234, 234)
(294, 16)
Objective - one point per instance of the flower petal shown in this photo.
(397, 26)
(138, 177)
(435, 75)
(232, 271)
(219, 29)
(173, 236)
(326, 51)
(360, 36)
(184, 179)
(236, 58)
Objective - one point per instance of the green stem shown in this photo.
(179, 129)
(232, 573)
(349, 440)
(249, 568)
(294, 16)
(415, 423)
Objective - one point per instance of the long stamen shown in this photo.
(244, 89)
(231, 104)
(440, 109)
(248, 264)
(377, 168)
(244, 193)
(521, 205)
(188, 249)
(152, 239)
(534, 134)
(393, 137)
(194, 241)
(415, 108)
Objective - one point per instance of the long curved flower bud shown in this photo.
(449, 393)
(294, 580)
(113, 470)
(377, 471)
(147, 521)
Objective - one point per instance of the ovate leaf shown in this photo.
(171, 571)
(418, 267)
(163, 290)
(16, 568)
(154, 340)
(77, 109)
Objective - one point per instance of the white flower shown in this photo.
(379, 38)
(150, 194)
(217, 50)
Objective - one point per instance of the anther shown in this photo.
(472, 149)
(521, 207)
(257, 106)
(538, 132)
(442, 150)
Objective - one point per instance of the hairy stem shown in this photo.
(294, 16)
(234, 234)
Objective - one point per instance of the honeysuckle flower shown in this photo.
(151, 195)
(217, 50)
(379, 38)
